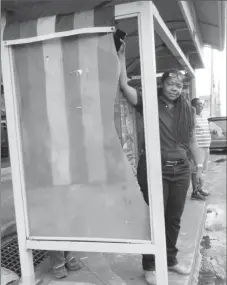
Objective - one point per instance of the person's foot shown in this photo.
(73, 264)
(180, 269)
(197, 196)
(60, 272)
(203, 193)
(150, 277)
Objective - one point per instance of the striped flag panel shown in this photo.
(79, 182)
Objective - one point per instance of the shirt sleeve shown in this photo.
(139, 105)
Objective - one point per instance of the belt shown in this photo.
(174, 162)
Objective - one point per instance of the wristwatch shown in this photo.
(200, 166)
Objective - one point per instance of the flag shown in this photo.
(78, 180)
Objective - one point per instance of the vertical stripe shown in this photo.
(11, 31)
(46, 25)
(84, 19)
(64, 22)
(28, 29)
(78, 165)
(108, 72)
(33, 114)
(56, 111)
(104, 17)
(92, 120)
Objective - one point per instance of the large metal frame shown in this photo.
(148, 21)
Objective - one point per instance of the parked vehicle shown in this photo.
(218, 134)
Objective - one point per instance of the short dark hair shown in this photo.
(194, 101)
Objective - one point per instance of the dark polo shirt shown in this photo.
(170, 149)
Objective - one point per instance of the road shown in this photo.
(213, 271)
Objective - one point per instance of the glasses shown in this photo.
(179, 76)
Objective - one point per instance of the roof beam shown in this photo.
(166, 36)
(188, 10)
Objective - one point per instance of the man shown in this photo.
(203, 137)
(176, 123)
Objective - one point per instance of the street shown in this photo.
(213, 270)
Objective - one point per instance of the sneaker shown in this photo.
(179, 269)
(150, 277)
(203, 193)
(198, 196)
(73, 264)
(60, 272)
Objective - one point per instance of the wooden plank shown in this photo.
(93, 30)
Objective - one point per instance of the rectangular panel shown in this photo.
(79, 183)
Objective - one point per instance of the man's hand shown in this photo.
(121, 52)
(199, 174)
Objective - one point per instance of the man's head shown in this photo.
(172, 83)
(198, 105)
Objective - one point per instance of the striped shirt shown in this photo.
(202, 131)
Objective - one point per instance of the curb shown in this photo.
(193, 278)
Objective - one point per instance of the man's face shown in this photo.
(199, 107)
(172, 87)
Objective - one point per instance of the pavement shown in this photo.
(213, 247)
(124, 269)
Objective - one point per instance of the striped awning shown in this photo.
(58, 23)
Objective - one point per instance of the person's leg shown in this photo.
(196, 195)
(148, 260)
(174, 210)
(57, 262)
(193, 176)
(206, 159)
(71, 262)
(57, 258)
(194, 183)
(205, 151)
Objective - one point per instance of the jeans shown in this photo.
(176, 181)
(59, 258)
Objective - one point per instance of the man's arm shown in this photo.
(128, 92)
(195, 151)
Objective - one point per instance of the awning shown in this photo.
(15, 29)
(211, 14)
